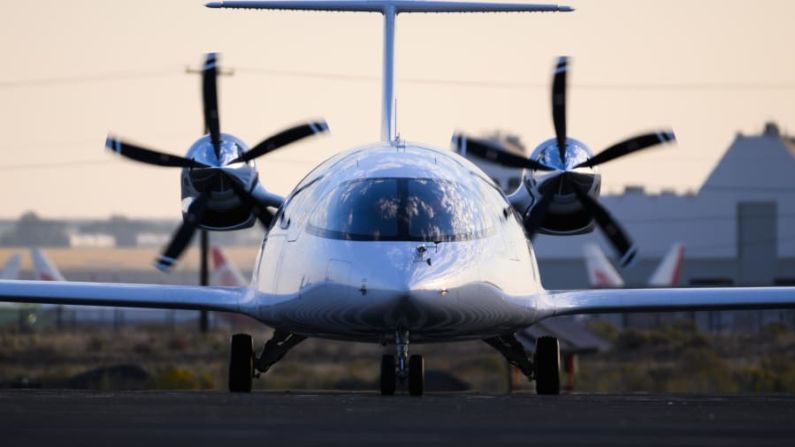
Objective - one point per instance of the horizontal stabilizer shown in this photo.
(381, 5)
(122, 295)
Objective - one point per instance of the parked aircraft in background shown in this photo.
(394, 242)
(43, 267)
(11, 268)
(224, 273)
(602, 274)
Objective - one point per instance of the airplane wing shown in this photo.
(380, 5)
(123, 295)
(597, 301)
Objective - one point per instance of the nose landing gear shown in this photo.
(411, 369)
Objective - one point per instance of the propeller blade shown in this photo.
(260, 210)
(282, 139)
(210, 101)
(148, 156)
(559, 106)
(619, 238)
(182, 237)
(532, 221)
(629, 146)
(489, 152)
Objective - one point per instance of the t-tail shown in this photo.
(390, 9)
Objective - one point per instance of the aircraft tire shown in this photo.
(547, 365)
(241, 363)
(388, 375)
(416, 375)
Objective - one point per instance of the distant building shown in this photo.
(506, 178)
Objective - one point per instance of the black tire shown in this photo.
(388, 375)
(547, 365)
(416, 375)
(241, 363)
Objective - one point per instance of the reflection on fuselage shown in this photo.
(402, 209)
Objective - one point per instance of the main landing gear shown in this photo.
(545, 367)
(244, 365)
(404, 368)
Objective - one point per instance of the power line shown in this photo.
(50, 165)
(331, 76)
(718, 86)
(86, 78)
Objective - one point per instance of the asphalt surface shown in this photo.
(63, 418)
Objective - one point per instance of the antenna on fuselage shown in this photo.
(390, 9)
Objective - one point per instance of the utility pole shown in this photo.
(204, 235)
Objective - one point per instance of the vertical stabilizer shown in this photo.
(43, 268)
(224, 273)
(11, 269)
(667, 273)
(601, 273)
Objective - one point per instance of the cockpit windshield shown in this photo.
(401, 209)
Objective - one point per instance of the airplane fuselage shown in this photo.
(386, 238)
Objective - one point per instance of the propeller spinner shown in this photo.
(220, 185)
(560, 175)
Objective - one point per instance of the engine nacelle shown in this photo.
(225, 210)
(565, 215)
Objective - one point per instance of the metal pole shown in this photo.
(204, 318)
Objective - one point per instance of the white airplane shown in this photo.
(11, 268)
(602, 274)
(391, 243)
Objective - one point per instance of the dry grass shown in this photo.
(670, 360)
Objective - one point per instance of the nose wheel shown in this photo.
(402, 368)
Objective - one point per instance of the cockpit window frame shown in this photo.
(403, 231)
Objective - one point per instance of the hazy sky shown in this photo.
(75, 70)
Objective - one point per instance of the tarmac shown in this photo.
(196, 418)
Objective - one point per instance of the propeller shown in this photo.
(567, 180)
(217, 173)
(488, 151)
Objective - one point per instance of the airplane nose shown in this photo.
(410, 301)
